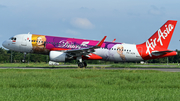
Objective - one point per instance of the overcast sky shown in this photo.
(129, 21)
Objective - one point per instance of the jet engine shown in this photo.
(57, 56)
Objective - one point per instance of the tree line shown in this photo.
(8, 56)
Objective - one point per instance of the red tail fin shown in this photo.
(159, 40)
(162, 37)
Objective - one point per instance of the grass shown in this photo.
(151, 65)
(27, 65)
(124, 65)
(88, 85)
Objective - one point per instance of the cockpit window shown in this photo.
(13, 38)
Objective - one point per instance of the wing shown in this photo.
(80, 52)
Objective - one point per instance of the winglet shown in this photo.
(101, 42)
(114, 40)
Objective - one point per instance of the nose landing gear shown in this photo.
(24, 59)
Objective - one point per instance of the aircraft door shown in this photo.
(24, 41)
(23, 45)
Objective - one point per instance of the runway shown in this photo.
(106, 68)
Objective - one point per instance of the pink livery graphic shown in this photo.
(61, 49)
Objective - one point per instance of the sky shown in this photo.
(129, 21)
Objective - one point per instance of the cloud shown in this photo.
(83, 23)
(156, 11)
(69, 31)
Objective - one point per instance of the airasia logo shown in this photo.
(151, 43)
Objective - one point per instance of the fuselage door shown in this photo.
(24, 41)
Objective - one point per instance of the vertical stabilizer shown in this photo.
(159, 41)
(162, 37)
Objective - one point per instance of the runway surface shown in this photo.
(108, 68)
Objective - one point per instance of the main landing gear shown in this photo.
(81, 64)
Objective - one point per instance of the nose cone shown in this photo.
(5, 44)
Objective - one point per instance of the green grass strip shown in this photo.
(88, 85)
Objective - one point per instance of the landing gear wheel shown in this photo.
(23, 61)
(85, 64)
(81, 64)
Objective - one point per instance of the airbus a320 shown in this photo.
(61, 49)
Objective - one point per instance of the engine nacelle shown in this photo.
(57, 56)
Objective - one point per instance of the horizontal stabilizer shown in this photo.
(157, 53)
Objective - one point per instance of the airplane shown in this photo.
(61, 49)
